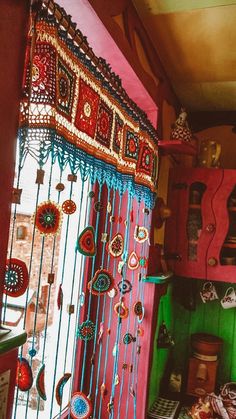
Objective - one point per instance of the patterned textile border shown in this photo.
(70, 111)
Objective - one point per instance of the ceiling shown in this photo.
(196, 42)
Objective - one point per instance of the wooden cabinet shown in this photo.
(200, 237)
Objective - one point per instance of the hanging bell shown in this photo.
(164, 339)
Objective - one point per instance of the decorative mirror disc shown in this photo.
(101, 283)
(48, 218)
(24, 377)
(60, 387)
(133, 261)
(16, 278)
(86, 242)
(116, 245)
(80, 406)
(40, 383)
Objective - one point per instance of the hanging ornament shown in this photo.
(101, 331)
(128, 338)
(115, 349)
(131, 391)
(32, 352)
(60, 187)
(86, 242)
(116, 245)
(121, 310)
(138, 308)
(109, 207)
(60, 297)
(120, 266)
(143, 262)
(133, 261)
(164, 339)
(16, 196)
(124, 286)
(86, 330)
(103, 390)
(101, 283)
(48, 218)
(140, 331)
(140, 234)
(98, 206)
(69, 207)
(80, 406)
(16, 278)
(141, 316)
(40, 176)
(110, 406)
(117, 380)
(112, 293)
(40, 383)
(60, 387)
(24, 377)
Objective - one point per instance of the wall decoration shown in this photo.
(60, 386)
(101, 283)
(86, 242)
(116, 245)
(24, 377)
(16, 278)
(80, 406)
(40, 383)
(48, 218)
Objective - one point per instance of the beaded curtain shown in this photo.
(95, 159)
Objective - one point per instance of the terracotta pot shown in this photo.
(206, 344)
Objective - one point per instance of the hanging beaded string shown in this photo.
(136, 347)
(50, 282)
(80, 294)
(128, 322)
(13, 230)
(33, 17)
(80, 276)
(60, 288)
(119, 322)
(90, 295)
(110, 316)
(32, 350)
(97, 316)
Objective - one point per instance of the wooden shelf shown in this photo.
(177, 147)
(230, 245)
(194, 206)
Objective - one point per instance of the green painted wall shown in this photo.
(160, 356)
(208, 317)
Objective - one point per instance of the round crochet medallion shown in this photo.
(69, 207)
(116, 246)
(48, 218)
(40, 383)
(141, 234)
(124, 286)
(86, 242)
(86, 330)
(101, 283)
(80, 406)
(16, 278)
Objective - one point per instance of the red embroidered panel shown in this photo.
(86, 116)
